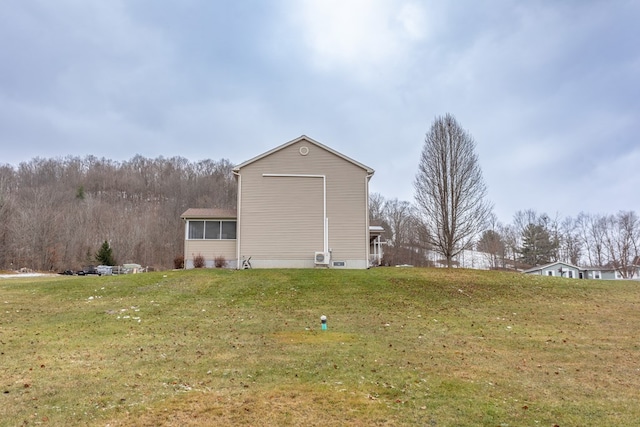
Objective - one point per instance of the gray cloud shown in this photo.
(548, 89)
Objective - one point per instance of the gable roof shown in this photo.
(309, 140)
(208, 213)
(545, 266)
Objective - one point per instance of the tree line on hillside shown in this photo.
(56, 213)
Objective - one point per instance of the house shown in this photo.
(604, 273)
(558, 269)
(563, 269)
(300, 205)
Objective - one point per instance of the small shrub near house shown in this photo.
(178, 262)
(220, 262)
(198, 261)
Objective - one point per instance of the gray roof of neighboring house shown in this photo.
(310, 140)
(209, 213)
(596, 268)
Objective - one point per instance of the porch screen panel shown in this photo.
(196, 229)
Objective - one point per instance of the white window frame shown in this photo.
(204, 231)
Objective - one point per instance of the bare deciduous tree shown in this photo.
(404, 234)
(492, 243)
(376, 207)
(450, 190)
(622, 239)
(570, 245)
(591, 232)
(398, 216)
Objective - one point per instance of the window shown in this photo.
(212, 230)
(596, 274)
(550, 273)
(228, 230)
(196, 229)
(570, 274)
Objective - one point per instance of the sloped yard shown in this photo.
(403, 347)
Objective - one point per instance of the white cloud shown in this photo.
(413, 20)
(359, 36)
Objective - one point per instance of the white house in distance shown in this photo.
(300, 205)
(563, 269)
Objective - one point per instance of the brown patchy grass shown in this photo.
(404, 347)
(293, 406)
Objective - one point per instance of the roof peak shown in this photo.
(310, 140)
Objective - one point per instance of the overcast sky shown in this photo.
(550, 90)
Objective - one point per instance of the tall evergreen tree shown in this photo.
(105, 255)
(537, 246)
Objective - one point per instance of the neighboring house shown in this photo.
(563, 269)
(557, 269)
(605, 273)
(299, 205)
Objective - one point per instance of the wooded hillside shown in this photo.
(56, 213)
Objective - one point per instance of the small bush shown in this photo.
(220, 261)
(178, 262)
(198, 261)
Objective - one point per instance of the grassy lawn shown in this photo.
(425, 347)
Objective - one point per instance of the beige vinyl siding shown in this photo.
(281, 218)
(346, 209)
(210, 249)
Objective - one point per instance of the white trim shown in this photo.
(325, 220)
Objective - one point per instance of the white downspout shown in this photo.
(326, 220)
(366, 219)
(238, 216)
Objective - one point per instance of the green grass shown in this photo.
(404, 347)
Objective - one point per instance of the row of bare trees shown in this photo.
(595, 240)
(451, 215)
(609, 240)
(55, 213)
(405, 236)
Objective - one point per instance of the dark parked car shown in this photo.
(90, 269)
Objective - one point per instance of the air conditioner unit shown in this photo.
(322, 258)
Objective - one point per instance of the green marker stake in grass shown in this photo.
(323, 321)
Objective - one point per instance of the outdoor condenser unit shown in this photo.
(322, 258)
